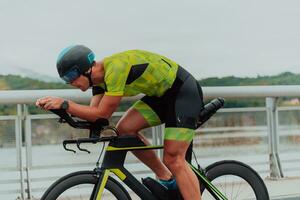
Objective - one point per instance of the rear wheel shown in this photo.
(81, 186)
(234, 180)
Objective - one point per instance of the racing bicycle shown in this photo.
(223, 180)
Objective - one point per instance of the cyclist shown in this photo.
(172, 96)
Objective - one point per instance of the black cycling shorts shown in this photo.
(179, 106)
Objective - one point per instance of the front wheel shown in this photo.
(235, 180)
(81, 186)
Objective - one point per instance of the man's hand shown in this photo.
(48, 103)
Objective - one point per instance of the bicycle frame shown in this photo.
(113, 163)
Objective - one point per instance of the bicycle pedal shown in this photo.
(160, 191)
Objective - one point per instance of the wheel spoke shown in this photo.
(238, 192)
(236, 181)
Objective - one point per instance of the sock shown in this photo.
(170, 184)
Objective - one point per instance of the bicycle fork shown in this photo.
(98, 189)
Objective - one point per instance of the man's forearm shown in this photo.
(86, 112)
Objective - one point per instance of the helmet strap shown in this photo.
(89, 76)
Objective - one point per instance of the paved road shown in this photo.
(287, 198)
(284, 189)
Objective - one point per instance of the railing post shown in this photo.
(28, 149)
(273, 137)
(19, 142)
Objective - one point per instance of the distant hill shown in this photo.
(9, 68)
(286, 78)
(15, 82)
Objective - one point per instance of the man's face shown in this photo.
(81, 82)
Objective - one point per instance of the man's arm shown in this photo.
(107, 105)
(95, 101)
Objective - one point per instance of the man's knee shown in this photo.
(124, 129)
(131, 123)
(174, 162)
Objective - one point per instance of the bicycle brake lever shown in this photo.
(81, 149)
(67, 149)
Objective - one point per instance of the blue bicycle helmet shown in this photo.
(74, 61)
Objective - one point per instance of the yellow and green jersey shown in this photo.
(136, 71)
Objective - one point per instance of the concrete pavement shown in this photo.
(284, 188)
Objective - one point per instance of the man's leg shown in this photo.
(130, 124)
(174, 159)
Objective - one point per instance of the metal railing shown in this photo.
(23, 122)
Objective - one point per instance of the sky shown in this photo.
(211, 38)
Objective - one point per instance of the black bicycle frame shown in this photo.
(113, 162)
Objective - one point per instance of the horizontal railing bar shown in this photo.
(13, 191)
(232, 128)
(42, 116)
(257, 109)
(8, 169)
(8, 117)
(291, 169)
(292, 160)
(247, 109)
(9, 181)
(288, 108)
(247, 128)
(30, 96)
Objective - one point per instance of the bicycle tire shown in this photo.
(84, 177)
(241, 170)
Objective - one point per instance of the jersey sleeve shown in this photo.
(97, 90)
(116, 72)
